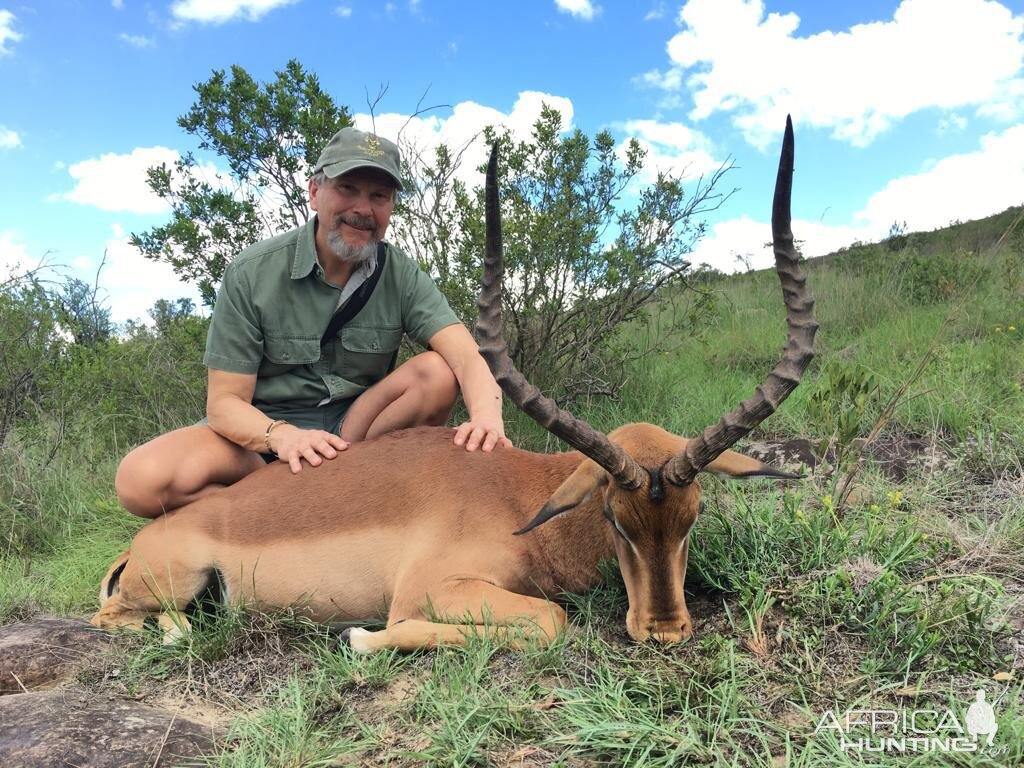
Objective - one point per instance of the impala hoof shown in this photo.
(355, 638)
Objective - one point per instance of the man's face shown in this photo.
(354, 209)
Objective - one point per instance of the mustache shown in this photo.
(354, 220)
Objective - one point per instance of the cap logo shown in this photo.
(372, 147)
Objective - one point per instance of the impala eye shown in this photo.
(615, 523)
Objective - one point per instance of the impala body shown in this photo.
(440, 542)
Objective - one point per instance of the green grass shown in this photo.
(908, 597)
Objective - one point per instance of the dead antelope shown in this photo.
(442, 542)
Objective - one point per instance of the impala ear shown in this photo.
(738, 466)
(576, 489)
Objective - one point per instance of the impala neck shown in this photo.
(569, 548)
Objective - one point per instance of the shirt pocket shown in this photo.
(282, 352)
(367, 353)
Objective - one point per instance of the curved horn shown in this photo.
(578, 434)
(783, 379)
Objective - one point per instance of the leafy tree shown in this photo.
(29, 346)
(581, 262)
(269, 134)
(588, 248)
(81, 314)
(165, 314)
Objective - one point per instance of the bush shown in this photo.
(925, 279)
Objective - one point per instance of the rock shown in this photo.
(789, 455)
(859, 496)
(62, 728)
(45, 652)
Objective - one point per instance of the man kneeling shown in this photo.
(280, 385)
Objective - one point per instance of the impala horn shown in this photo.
(785, 376)
(580, 435)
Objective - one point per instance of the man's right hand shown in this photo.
(292, 444)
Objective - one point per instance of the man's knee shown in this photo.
(433, 374)
(140, 483)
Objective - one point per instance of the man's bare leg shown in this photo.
(421, 391)
(179, 467)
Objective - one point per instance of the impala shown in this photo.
(442, 543)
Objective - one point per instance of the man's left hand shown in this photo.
(481, 434)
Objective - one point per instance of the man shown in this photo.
(275, 390)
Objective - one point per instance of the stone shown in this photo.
(46, 652)
(64, 727)
(789, 455)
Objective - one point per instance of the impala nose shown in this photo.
(669, 632)
(667, 636)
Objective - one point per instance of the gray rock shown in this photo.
(789, 455)
(71, 728)
(45, 652)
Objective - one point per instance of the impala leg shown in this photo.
(156, 588)
(175, 625)
(480, 608)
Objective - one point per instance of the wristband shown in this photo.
(266, 435)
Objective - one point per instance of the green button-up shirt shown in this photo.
(274, 304)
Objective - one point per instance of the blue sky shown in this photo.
(904, 111)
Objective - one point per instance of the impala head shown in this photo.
(645, 475)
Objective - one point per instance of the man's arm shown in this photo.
(485, 427)
(230, 413)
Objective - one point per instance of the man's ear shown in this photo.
(313, 187)
(737, 466)
(574, 490)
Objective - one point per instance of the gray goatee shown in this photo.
(356, 254)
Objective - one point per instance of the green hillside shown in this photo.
(891, 577)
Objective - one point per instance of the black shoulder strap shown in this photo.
(358, 299)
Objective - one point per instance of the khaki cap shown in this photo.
(349, 149)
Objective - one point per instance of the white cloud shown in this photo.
(671, 148)
(343, 11)
(7, 33)
(857, 82)
(134, 282)
(947, 191)
(119, 183)
(732, 244)
(1007, 105)
(952, 123)
(114, 182)
(13, 254)
(966, 186)
(137, 41)
(118, 4)
(9, 139)
(220, 11)
(659, 11)
(581, 9)
(463, 127)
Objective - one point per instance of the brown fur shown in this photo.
(411, 528)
